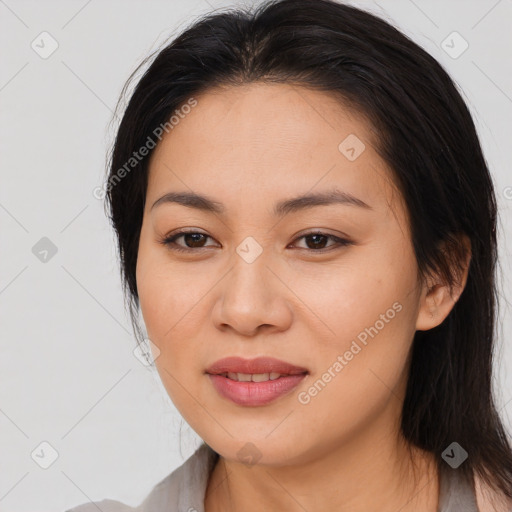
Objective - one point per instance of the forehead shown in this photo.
(259, 141)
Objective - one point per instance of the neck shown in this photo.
(372, 472)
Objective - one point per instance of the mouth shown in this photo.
(253, 377)
(254, 382)
(257, 366)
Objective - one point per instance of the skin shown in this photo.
(249, 147)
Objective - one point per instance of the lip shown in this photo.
(257, 365)
(251, 394)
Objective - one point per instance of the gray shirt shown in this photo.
(184, 489)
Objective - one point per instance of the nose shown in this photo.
(253, 298)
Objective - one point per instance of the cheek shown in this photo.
(168, 302)
(167, 295)
(171, 308)
(346, 300)
(174, 308)
(371, 314)
(363, 372)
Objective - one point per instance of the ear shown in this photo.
(437, 300)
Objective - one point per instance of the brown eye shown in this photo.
(196, 239)
(192, 239)
(316, 242)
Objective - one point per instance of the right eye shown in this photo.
(195, 238)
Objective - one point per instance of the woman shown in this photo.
(308, 225)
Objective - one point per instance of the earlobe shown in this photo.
(435, 306)
(438, 299)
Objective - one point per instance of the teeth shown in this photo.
(254, 377)
(260, 377)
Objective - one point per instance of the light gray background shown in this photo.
(68, 374)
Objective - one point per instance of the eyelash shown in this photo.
(170, 243)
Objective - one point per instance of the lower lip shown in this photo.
(255, 393)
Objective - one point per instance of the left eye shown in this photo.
(319, 240)
(317, 244)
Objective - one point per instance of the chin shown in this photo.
(258, 450)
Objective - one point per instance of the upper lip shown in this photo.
(252, 366)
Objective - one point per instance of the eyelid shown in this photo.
(169, 240)
(340, 241)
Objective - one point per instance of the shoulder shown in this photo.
(103, 505)
(490, 501)
(185, 485)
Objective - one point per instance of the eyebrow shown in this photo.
(282, 208)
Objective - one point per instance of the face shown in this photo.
(329, 286)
